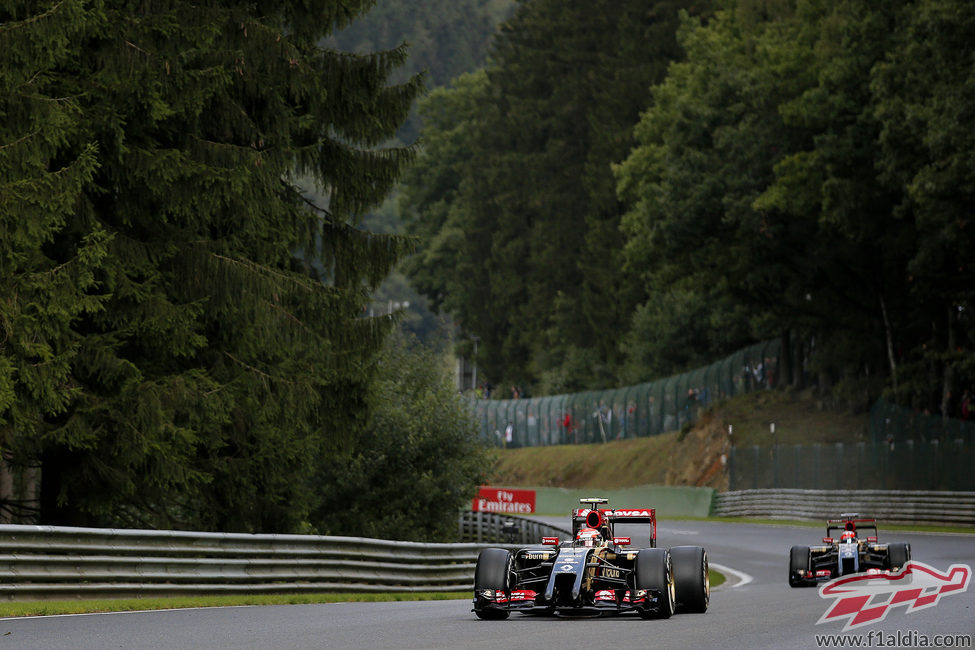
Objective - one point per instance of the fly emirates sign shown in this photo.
(492, 499)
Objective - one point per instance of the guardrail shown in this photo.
(893, 506)
(39, 562)
(482, 527)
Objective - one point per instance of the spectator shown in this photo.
(948, 405)
(690, 406)
(569, 427)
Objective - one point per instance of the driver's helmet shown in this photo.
(588, 537)
(848, 537)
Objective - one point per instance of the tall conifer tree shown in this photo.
(539, 277)
(229, 357)
(47, 263)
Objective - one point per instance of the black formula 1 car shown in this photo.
(850, 546)
(610, 566)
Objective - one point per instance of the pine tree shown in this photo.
(539, 275)
(47, 263)
(229, 358)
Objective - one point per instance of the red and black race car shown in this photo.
(610, 566)
(851, 545)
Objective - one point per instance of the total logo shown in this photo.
(867, 598)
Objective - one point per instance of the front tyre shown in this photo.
(654, 574)
(692, 584)
(492, 575)
(798, 561)
(898, 554)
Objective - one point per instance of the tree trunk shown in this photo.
(889, 335)
(55, 466)
(783, 376)
(949, 369)
(6, 492)
(798, 362)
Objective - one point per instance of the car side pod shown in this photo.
(492, 583)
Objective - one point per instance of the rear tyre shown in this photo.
(798, 561)
(493, 571)
(898, 555)
(692, 585)
(654, 573)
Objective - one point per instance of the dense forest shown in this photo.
(446, 38)
(182, 339)
(597, 193)
(630, 189)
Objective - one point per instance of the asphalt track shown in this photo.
(762, 611)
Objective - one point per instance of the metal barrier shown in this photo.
(61, 562)
(892, 506)
(483, 527)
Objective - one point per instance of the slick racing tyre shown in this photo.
(493, 571)
(654, 572)
(798, 561)
(898, 554)
(692, 586)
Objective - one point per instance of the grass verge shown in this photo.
(716, 577)
(53, 607)
(61, 607)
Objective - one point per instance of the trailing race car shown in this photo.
(850, 546)
(611, 566)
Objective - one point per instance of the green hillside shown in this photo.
(693, 458)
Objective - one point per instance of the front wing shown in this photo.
(825, 562)
(570, 581)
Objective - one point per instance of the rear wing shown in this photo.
(861, 526)
(639, 524)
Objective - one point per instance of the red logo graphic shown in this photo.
(866, 598)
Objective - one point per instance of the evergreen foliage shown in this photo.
(170, 353)
(447, 38)
(801, 171)
(418, 461)
(529, 245)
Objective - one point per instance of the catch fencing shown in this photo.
(896, 507)
(40, 562)
(641, 410)
(891, 423)
(904, 465)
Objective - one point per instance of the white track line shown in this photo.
(126, 611)
(743, 578)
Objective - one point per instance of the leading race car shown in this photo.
(610, 566)
(851, 545)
